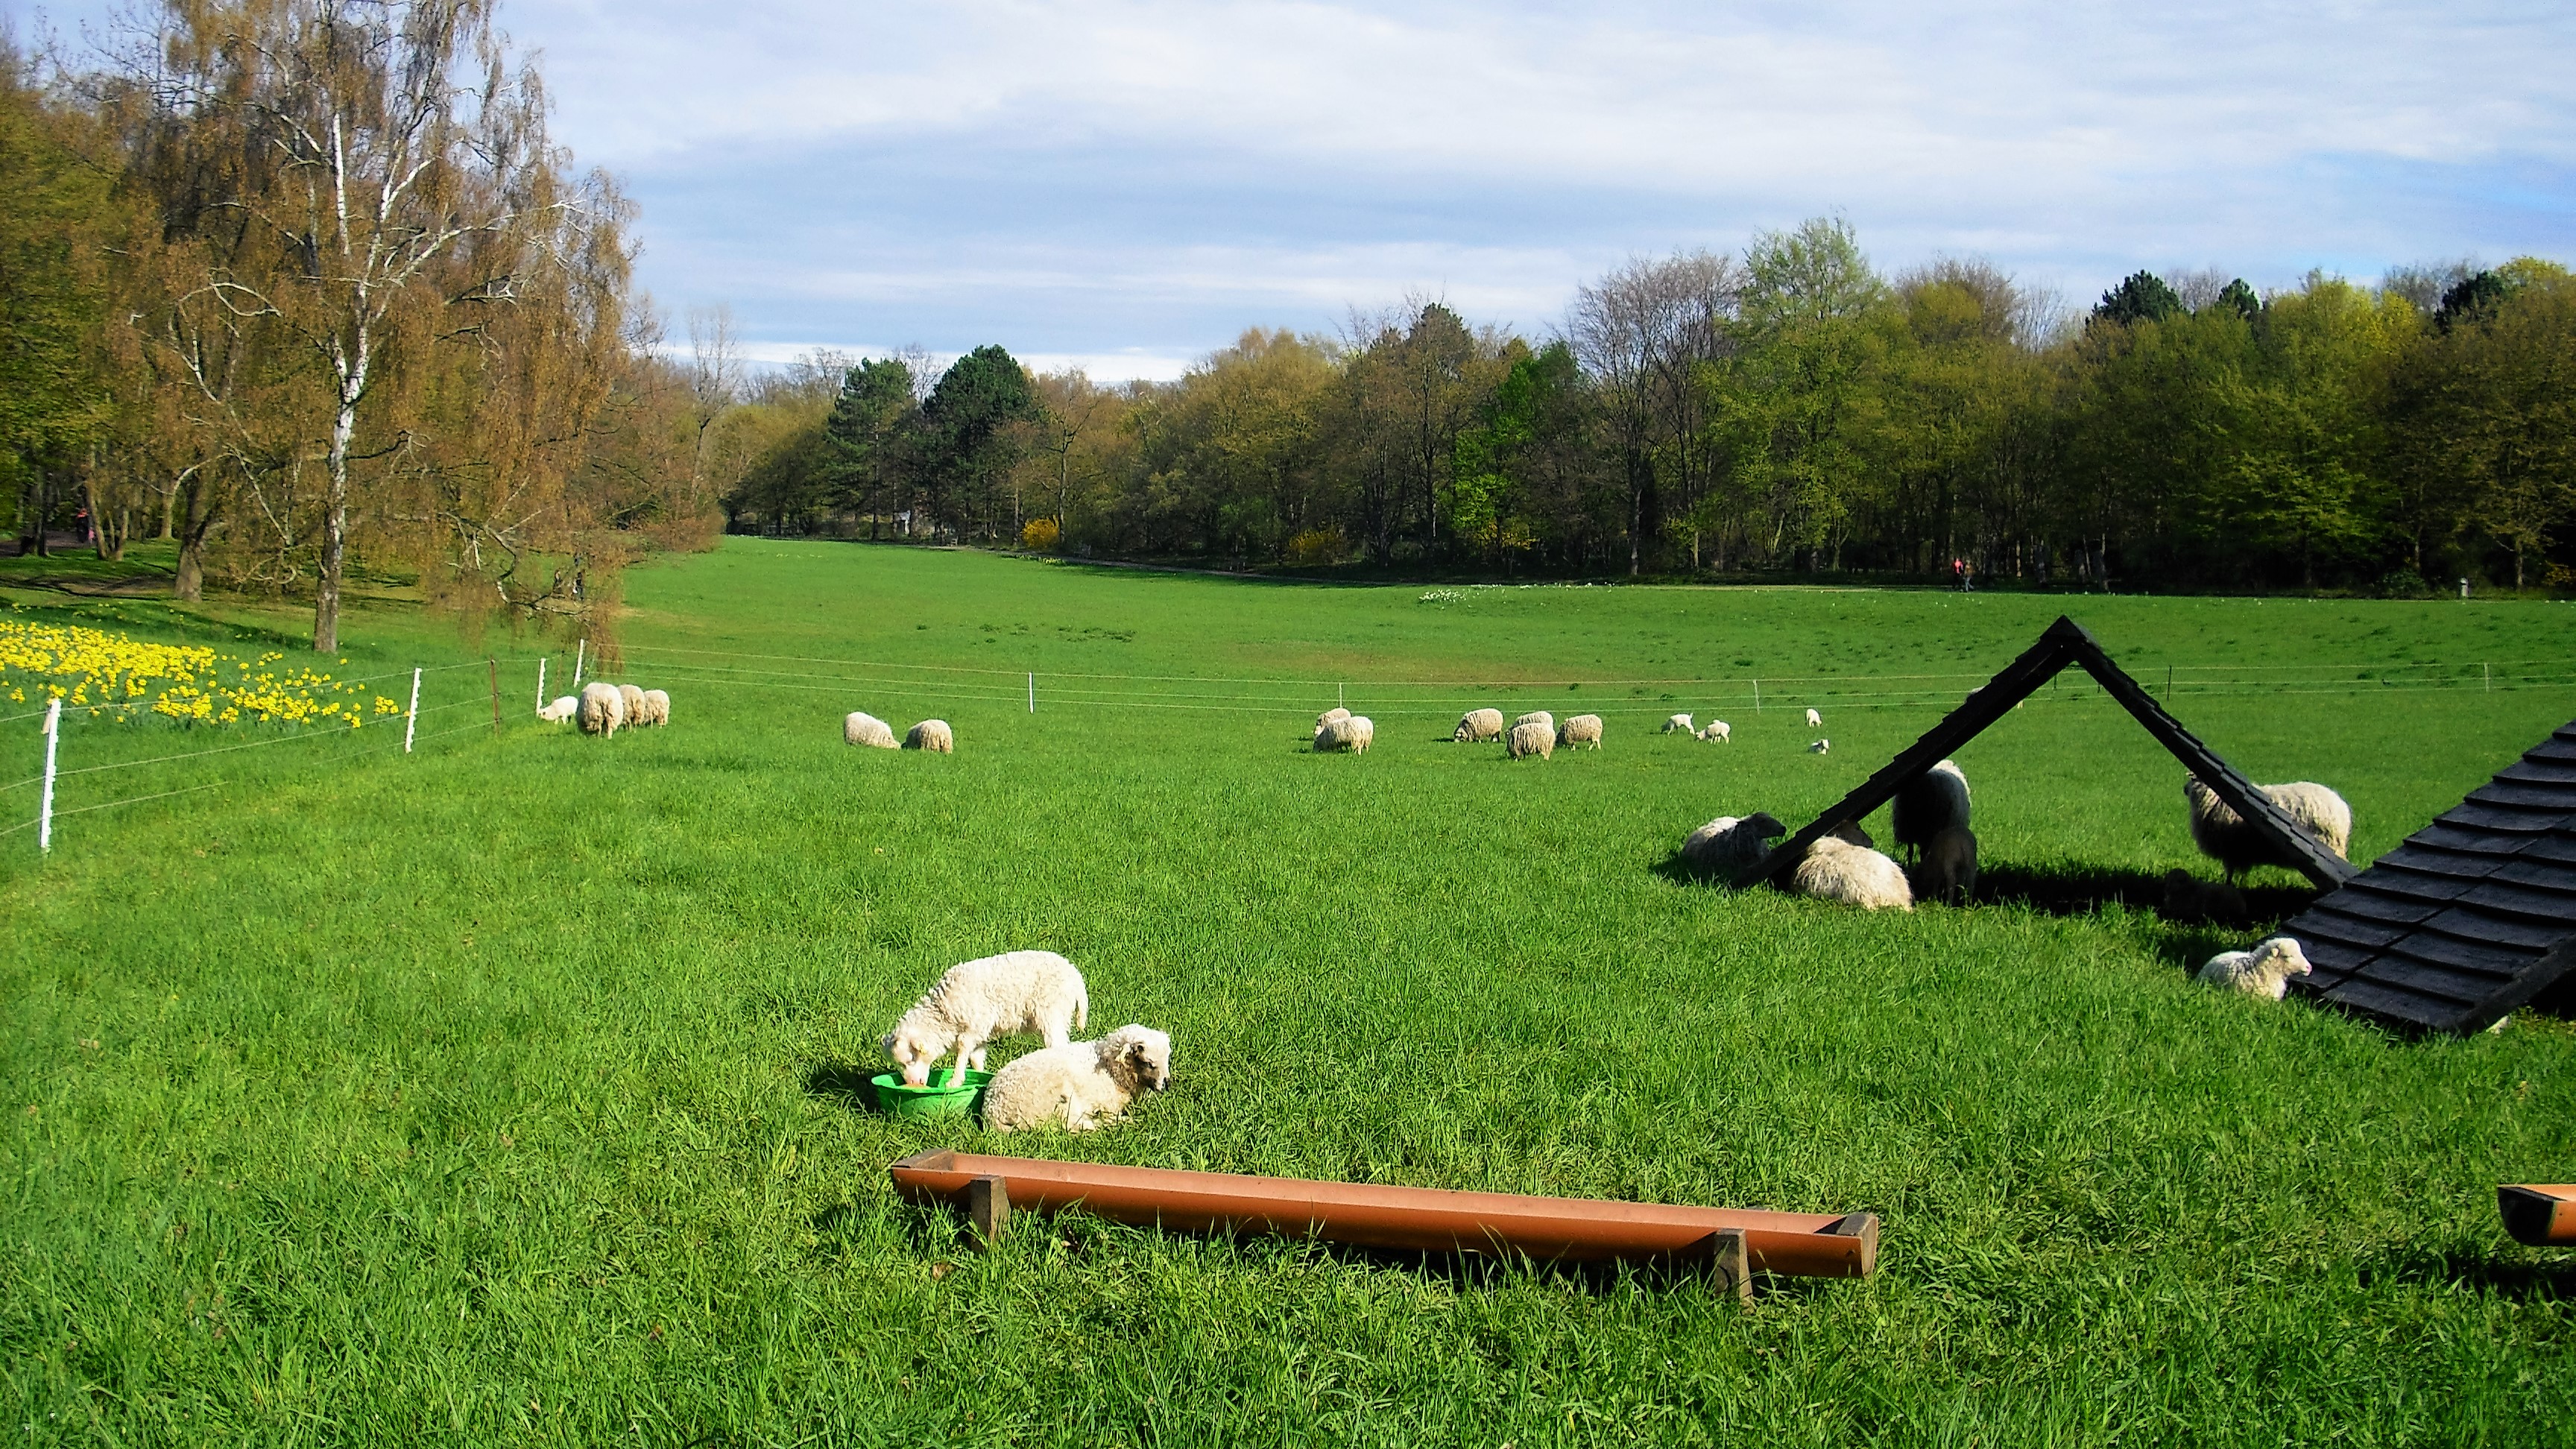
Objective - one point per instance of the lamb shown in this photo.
(1949, 870)
(1717, 730)
(657, 707)
(1351, 733)
(1836, 870)
(1814, 720)
(933, 735)
(1530, 738)
(1080, 1085)
(1682, 723)
(1820, 747)
(1928, 804)
(1538, 717)
(1732, 847)
(862, 728)
(2264, 971)
(602, 709)
(1583, 729)
(1477, 726)
(1014, 993)
(2223, 835)
(562, 709)
(1330, 715)
(2194, 902)
(634, 701)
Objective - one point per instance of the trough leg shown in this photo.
(1731, 1265)
(988, 1210)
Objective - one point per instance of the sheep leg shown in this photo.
(967, 1045)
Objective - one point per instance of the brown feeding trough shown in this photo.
(2540, 1214)
(1413, 1219)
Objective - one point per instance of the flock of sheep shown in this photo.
(603, 709)
(1076, 1085)
(861, 728)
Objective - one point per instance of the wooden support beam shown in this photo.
(988, 1210)
(1731, 1265)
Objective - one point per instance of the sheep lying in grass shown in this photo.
(2223, 835)
(1731, 847)
(1477, 726)
(657, 707)
(1949, 870)
(1080, 1085)
(1820, 747)
(1815, 720)
(1583, 729)
(2264, 971)
(562, 709)
(1837, 870)
(1330, 715)
(2193, 902)
(1530, 738)
(1928, 804)
(1717, 730)
(602, 709)
(862, 728)
(1350, 734)
(933, 735)
(1011, 994)
(1681, 723)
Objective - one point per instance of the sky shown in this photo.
(1126, 186)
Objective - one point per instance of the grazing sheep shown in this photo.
(657, 707)
(1717, 730)
(2264, 971)
(1681, 722)
(862, 728)
(634, 701)
(1351, 733)
(2194, 902)
(1478, 725)
(1080, 1085)
(602, 709)
(933, 735)
(1837, 870)
(1820, 747)
(1015, 993)
(2223, 835)
(1583, 729)
(562, 709)
(1815, 720)
(1732, 847)
(1949, 870)
(1928, 804)
(1330, 715)
(1530, 738)
(1538, 717)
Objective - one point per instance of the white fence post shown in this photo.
(541, 681)
(411, 717)
(1757, 696)
(45, 807)
(578, 650)
(1033, 691)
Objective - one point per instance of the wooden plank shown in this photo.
(2469, 839)
(2374, 901)
(2554, 966)
(2550, 797)
(2512, 819)
(2414, 884)
(2402, 1000)
(2482, 957)
(2438, 860)
(2530, 771)
(2540, 1214)
(2324, 920)
(2527, 902)
(2469, 924)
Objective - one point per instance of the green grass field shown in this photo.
(498, 1093)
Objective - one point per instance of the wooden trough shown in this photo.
(2542, 1215)
(1413, 1219)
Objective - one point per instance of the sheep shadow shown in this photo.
(847, 1083)
(2518, 1275)
(2083, 890)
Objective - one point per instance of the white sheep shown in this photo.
(861, 728)
(1582, 729)
(1538, 717)
(1351, 733)
(2223, 835)
(1928, 804)
(1732, 847)
(1717, 730)
(1478, 725)
(602, 709)
(1949, 869)
(933, 735)
(1815, 721)
(633, 699)
(1330, 715)
(1530, 738)
(1820, 747)
(1837, 870)
(976, 1001)
(1080, 1085)
(564, 707)
(657, 707)
(1681, 723)
(2264, 971)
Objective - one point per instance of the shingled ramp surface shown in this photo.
(2473, 916)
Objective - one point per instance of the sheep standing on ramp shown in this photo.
(1732, 848)
(1530, 738)
(1351, 733)
(2223, 835)
(1015, 993)
(863, 728)
(1477, 726)
(1583, 729)
(1080, 1085)
(1681, 723)
(1837, 870)
(1928, 804)
(602, 709)
(2264, 971)
(933, 735)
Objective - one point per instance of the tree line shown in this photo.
(1787, 409)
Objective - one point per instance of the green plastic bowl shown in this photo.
(944, 1097)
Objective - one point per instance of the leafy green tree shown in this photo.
(971, 437)
(866, 431)
(2140, 297)
(54, 223)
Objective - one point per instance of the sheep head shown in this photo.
(1763, 825)
(2281, 958)
(914, 1048)
(1139, 1056)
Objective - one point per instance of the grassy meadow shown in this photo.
(502, 1092)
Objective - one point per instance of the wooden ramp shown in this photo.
(2065, 643)
(2542, 1215)
(2474, 916)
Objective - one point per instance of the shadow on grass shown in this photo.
(2081, 890)
(844, 1082)
(2527, 1275)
